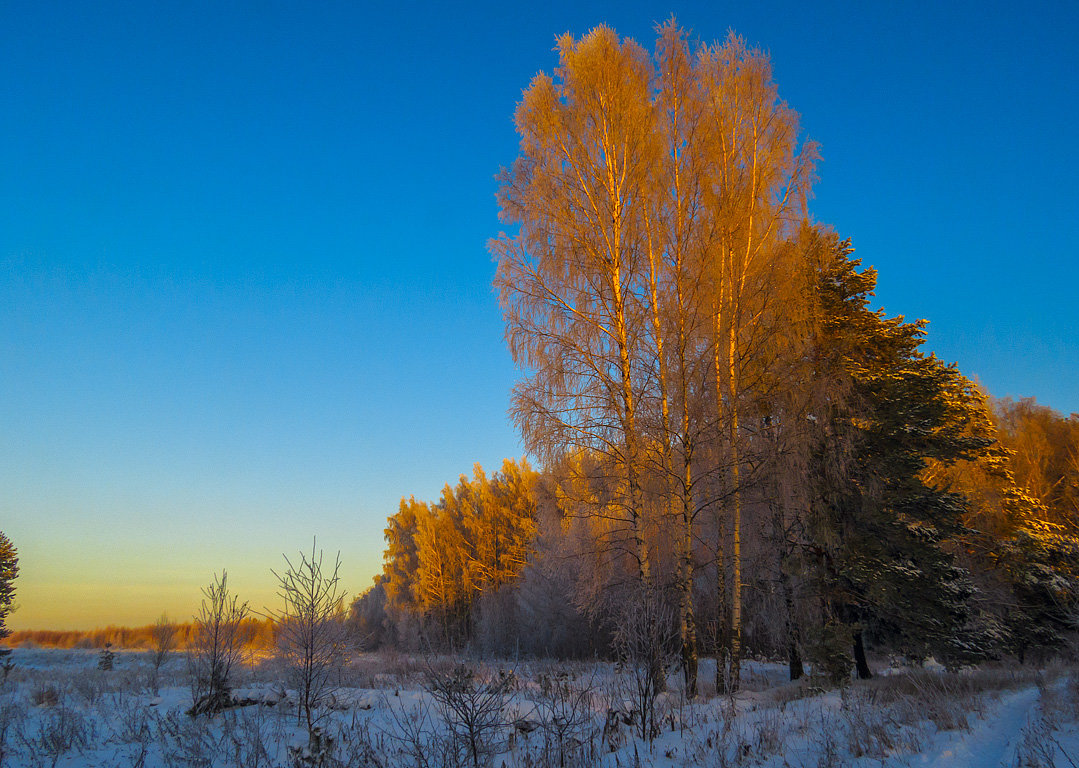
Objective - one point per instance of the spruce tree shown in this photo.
(106, 658)
(9, 569)
(1042, 565)
(878, 543)
(1025, 562)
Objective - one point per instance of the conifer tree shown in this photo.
(9, 570)
(106, 658)
(1022, 557)
(879, 532)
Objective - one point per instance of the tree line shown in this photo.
(258, 635)
(726, 427)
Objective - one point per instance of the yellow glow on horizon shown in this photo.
(64, 605)
(98, 572)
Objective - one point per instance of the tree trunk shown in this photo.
(859, 657)
(687, 620)
(723, 620)
(794, 661)
(793, 633)
(736, 514)
(723, 630)
(685, 584)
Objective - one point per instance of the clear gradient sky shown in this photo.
(244, 291)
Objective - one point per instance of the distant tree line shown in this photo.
(726, 427)
(258, 634)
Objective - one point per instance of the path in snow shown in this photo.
(992, 741)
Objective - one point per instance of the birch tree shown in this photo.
(760, 178)
(216, 646)
(570, 279)
(678, 240)
(650, 195)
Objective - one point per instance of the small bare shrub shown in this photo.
(216, 647)
(870, 728)
(1037, 748)
(127, 719)
(130, 723)
(767, 737)
(792, 692)
(12, 716)
(45, 695)
(61, 731)
(359, 747)
(1038, 745)
(162, 644)
(89, 685)
(7, 664)
(946, 701)
(645, 639)
(414, 738)
(311, 635)
(185, 741)
(317, 753)
(564, 708)
(244, 735)
(471, 708)
(827, 747)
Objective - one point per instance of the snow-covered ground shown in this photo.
(58, 709)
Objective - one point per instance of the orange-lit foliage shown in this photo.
(476, 538)
(723, 416)
(1044, 459)
(259, 634)
(645, 287)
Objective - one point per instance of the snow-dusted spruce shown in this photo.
(9, 569)
(106, 658)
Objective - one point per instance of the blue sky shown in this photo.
(244, 290)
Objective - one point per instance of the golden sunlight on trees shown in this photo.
(652, 198)
(572, 281)
(1044, 456)
(476, 539)
(739, 453)
(163, 641)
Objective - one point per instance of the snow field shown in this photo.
(58, 709)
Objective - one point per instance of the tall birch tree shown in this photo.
(651, 197)
(571, 279)
(760, 178)
(678, 234)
